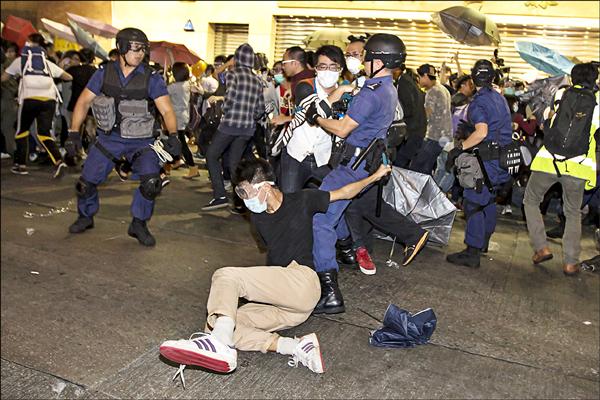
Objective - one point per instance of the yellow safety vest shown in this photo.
(583, 167)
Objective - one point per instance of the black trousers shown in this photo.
(361, 219)
(185, 149)
(43, 113)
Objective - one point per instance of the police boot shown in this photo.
(486, 243)
(345, 252)
(138, 230)
(558, 231)
(469, 257)
(331, 301)
(82, 224)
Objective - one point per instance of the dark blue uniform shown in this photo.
(491, 108)
(97, 166)
(373, 108)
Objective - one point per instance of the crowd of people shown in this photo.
(303, 146)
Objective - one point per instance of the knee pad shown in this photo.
(85, 189)
(150, 186)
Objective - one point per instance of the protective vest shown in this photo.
(125, 109)
(36, 79)
(583, 167)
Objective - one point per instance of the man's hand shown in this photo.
(214, 99)
(312, 114)
(280, 119)
(73, 144)
(382, 171)
(172, 145)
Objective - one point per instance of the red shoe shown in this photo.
(364, 261)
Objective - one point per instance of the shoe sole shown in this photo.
(20, 172)
(318, 346)
(330, 310)
(215, 207)
(418, 248)
(367, 271)
(187, 357)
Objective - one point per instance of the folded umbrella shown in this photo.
(17, 30)
(59, 30)
(94, 26)
(167, 53)
(543, 58)
(402, 329)
(333, 36)
(419, 198)
(86, 40)
(467, 26)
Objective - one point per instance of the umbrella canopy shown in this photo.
(420, 199)
(59, 30)
(543, 58)
(402, 329)
(94, 26)
(336, 37)
(17, 30)
(86, 40)
(167, 53)
(467, 26)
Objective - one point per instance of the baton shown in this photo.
(380, 185)
(362, 155)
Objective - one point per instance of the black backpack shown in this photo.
(569, 132)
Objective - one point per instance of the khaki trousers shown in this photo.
(280, 298)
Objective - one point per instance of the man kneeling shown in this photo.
(278, 297)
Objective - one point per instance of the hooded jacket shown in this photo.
(244, 103)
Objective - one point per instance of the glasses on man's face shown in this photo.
(325, 67)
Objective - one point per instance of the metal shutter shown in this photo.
(425, 43)
(228, 37)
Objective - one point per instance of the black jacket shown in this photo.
(412, 100)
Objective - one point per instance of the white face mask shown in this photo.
(353, 64)
(255, 205)
(515, 107)
(327, 78)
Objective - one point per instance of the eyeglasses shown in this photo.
(288, 61)
(325, 67)
(247, 190)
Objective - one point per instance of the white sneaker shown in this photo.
(4, 156)
(507, 210)
(308, 352)
(205, 351)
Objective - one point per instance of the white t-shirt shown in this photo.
(209, 84)
(45, 88)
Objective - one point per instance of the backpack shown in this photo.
(35, 72)
(569, 132)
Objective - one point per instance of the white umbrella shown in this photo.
(59, 30)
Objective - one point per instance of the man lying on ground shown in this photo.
(280, 296)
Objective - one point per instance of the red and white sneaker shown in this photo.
(308, 353)
(205, 351)
(365, 263)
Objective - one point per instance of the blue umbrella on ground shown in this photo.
(543, 58)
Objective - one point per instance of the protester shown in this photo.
(122, 93)
(354, 58)
(208, 82)
(281, 295)
(10, 91)
(38, 96)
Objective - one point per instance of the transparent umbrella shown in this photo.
(86, 40)
(333, 36)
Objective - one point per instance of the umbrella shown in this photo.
(467, 26)
(543, 58)
(59, 30)
(403, 329)
(540, 94)
(167, 53)
(419, 198)
(17, 30)
(94, 26)
(336, 37)
(86, 40)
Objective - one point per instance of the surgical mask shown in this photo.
(327, 78)
(509, 91)
(353, 64)
(255, 205)
(279, 78)
(519, 92)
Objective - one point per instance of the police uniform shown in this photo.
(373, 108)
(141, 83)
(488, 107)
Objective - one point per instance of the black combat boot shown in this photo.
(138, 230)
(469, 257)
(345, 253)
(82, 224)
(331, 301)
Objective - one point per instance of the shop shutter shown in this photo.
(228, 37)
(425, 43)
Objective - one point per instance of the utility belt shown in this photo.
(374, 154)
(510, 157)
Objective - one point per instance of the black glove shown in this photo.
(73, 144)
(172, 145)
(311, 114)
(452, 156)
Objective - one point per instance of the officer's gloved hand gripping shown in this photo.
(172, 145)
(73, 144)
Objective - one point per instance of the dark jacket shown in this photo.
(412, 100)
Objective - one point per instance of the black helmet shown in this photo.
(128, 35)
(483, 73)
(385, 47)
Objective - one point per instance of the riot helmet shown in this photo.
(128, 35)
(483, 73)
(385, 47)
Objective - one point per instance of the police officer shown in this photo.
(123, 95)
(490, 116)
(369, 116)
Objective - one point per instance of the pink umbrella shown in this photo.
(94, 26)
(167, 53)
(59, 30)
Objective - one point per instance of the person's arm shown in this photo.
(481, 131)
(65, 76)
(337, 94)
(5, 77)
(164, 106)
(338, 127)
(352, 189)
(81, 109)
(459, 71)
(443, 76)
(12, 70)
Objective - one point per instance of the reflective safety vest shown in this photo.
(583, 167)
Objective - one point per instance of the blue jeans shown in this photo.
(295, 174)
(97, 167)
(443, 178)
(425, 160)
